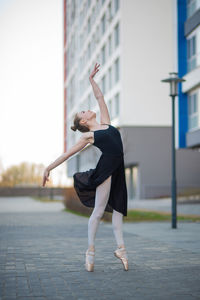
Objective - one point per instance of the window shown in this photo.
(89, 25)
(110, 15)
(71, 92)
(89, 51)
(107, 75)
(89, 3)
(192, 7)
(93, 100)
(81, 40)
(98, 6)
(132, 181)
(117, 70)
(98, 59)
(103, 55)
(191, 53)
(88, 82)
(73, 11)
(69, 97)
(89, 102)
(106, 51)
(110, 108)
(110, 44)
(117, 104)
(97, 34)
(192, 111)
(104, 84)
(93, 18)
(103, 24)
(84, 9)
(116, 5)
(93, 43)
(81, 18)
(110, 78)
(116, 32)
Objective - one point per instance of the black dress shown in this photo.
(111, 162)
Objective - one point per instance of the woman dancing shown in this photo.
(104, 187)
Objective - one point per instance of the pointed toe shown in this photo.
(89, 266)
(122, 255)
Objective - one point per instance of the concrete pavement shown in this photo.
(42, 256)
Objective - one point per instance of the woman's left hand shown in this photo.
(95, 70)
(45, 176)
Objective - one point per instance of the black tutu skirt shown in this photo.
(85, 183)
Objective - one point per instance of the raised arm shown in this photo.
(82, 142)
(104, 113)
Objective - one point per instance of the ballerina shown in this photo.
(104, 187)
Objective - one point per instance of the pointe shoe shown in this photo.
(121, 254)
(88, 265)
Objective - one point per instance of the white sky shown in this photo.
(31, 83)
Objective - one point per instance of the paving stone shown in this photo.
(42, 256)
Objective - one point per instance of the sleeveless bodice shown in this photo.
(110, 163)
(108, 140)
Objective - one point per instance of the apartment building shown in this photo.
(189, 67)
(135, 43)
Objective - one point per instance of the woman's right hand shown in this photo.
(95, 70)
(45, 176)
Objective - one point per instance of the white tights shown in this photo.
(101, 199)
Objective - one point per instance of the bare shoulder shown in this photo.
(88, 136)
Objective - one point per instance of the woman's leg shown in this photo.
(101, 199)
(117, 223)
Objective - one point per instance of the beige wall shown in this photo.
(147, 47)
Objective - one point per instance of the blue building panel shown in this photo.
(182, 70)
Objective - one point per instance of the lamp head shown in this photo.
(173, 80)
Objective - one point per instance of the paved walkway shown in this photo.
(42, 255)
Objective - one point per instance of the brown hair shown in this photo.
(81, 128)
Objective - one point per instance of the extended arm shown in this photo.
(83, 141)
(97, 92)
(74, 149)
(104, 113)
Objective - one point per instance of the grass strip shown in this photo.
(138, 215)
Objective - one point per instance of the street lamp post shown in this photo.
(173, 80)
